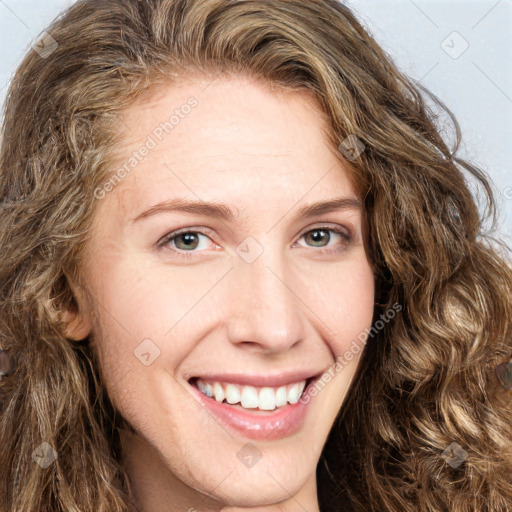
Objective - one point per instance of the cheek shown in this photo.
(143, 307)
(146, 308)
(145, 299)
(344, 300)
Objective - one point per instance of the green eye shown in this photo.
(184, 242)
(191, 240)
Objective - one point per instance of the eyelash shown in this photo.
(163, 243)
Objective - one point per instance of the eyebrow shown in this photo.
(224, 212)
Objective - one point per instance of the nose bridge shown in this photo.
(264, 308)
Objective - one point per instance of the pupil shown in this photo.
(316, 238)
(188, 238)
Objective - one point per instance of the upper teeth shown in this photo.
(250, 397)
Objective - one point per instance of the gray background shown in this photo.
(459, 49)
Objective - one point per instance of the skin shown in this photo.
(264, 153)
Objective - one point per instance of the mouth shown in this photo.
(249, 398)
(267, 413)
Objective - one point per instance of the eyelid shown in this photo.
(202, 230)
(327, 225)
(193, 229)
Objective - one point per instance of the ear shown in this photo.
(77, 324)
(76, 316)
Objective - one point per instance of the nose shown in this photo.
(265, 312)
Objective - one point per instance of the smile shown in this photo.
(266, 408)
(250, 397)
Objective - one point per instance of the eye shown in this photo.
(185, 241)
(317, 234)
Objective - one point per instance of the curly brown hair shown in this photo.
(426, 380)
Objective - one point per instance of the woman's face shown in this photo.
(255, 296)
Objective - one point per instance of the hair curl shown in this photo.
(425, 380)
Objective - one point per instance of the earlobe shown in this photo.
(75, 316)
(77, 325)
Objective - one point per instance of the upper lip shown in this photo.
(270, 380)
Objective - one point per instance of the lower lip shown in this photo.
(270, 426)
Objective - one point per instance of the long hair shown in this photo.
(426, 390)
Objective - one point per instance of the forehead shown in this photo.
(226, 140)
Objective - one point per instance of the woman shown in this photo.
(254, 369)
